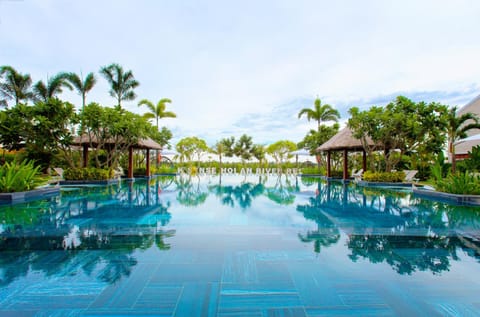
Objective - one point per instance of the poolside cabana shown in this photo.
(344, 141)
(142, 144)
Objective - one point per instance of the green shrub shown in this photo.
(387, 177)
(140, 171)
(459, 183)
(89, 173)
(18, 177)
(313, 170)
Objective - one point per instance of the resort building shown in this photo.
(462, 148)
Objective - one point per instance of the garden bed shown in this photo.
(19, 197)
(466, 200)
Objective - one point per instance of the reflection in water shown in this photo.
(243, 194)
(114, 222)
(391, 226)
(110, 222)
(190, 194)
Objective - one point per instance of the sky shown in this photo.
(248, 67)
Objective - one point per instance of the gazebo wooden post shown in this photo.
(345, 164)
(85, 155)
(364, 161)
(329, 171)
(147, 172)
(130, 162)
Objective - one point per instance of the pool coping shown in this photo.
(384, 184)
(465, 200)
(20, 197)
(90, 182)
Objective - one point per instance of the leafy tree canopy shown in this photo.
(401, 125)
(280, 150)
(189, 147)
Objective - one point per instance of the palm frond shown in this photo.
(168, 114)
(149, 104)
(89, 82)
(40, 91)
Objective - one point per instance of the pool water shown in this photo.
(238, 246)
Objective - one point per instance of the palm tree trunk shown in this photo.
(454, 159)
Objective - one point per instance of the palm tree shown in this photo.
(320, 113)
(83, 86)
(122, 83)
(457, 128)
(15, 85)
(54, 86)
(157, 111)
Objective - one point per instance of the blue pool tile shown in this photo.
(198, 299)
(185, 273)
(240, 267)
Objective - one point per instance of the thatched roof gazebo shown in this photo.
(344, 141)
(143, 144)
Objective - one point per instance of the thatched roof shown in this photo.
(343, 140)
(146, 143)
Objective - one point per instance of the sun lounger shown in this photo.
(410, 176)
(357, 176)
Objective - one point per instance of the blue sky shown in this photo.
(234, 67)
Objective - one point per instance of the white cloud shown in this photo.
(240, 67)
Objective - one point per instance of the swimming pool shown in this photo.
(238, 246)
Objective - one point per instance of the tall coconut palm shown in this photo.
(320, 113)
(121, 83)
(54, 86)
(83, 86)
(157, 111)
(14, 86)
(457, 128)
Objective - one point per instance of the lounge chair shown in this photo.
(58, 171)
(410, 176)
(56, 175)
(118, 172)
(357, 176)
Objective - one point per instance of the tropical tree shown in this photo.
(122, 83)
(189, 147)
(53, 87)
(401, 125)
(228, 145)
(316, 138)
(13, 126)
(83, 86)
(111, 131)
(14, 86)
(157, 111)
(42, 130)
(218, 149)
(163, 136)
(258, 152)
(320, 113)
(280, 150)
(243, 147)
(457, 128)
(49, 132)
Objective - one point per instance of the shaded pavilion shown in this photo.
(142, 144)
(344, 141)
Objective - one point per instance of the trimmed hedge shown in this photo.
(387, 177)
(89, 173)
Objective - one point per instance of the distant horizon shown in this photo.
(248, 68)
